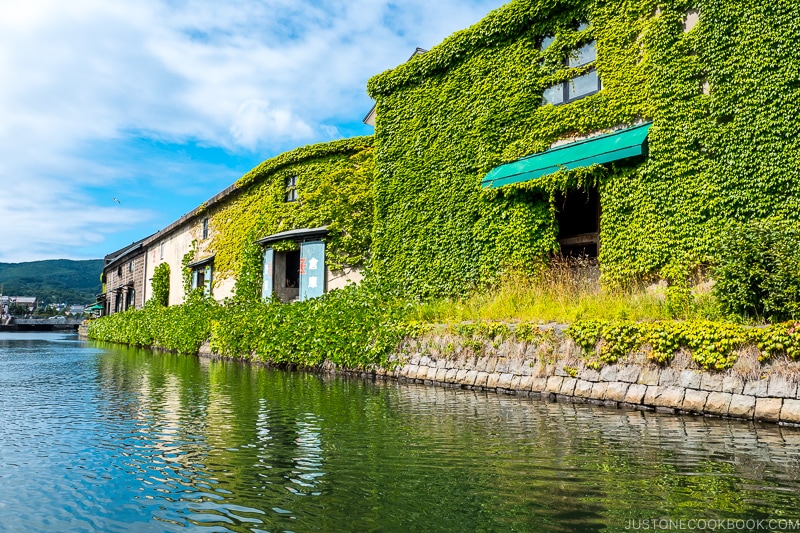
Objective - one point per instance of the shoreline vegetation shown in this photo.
(727, 348)
(365, 326)
(633, 348)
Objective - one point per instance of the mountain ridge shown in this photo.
(53, 280)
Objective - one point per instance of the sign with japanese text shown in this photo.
(312, 269)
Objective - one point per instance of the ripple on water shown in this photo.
(110, 439)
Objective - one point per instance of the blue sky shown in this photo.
(164, 103)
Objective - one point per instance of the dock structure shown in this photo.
(42, 324)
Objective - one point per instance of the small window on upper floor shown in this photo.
(291, 189)
(130, 266)
(163, 246)
(205, 228)
(579, 86)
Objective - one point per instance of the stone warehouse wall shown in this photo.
(555, 368)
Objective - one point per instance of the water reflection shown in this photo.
(129, 440)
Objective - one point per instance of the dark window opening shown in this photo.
(119, 301)
(286, 275)
(202, 278)
(205, 228)
(578, 219)
(293, 269)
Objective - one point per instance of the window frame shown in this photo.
(203, 277)
(566, 85)
(130, 298)
(290, 187)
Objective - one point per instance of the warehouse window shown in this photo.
(579, 86)
(291, 189)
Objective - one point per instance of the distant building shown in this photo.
(123, 279)
(29, 302)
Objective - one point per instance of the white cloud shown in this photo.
(84, 78)
(46, 218)
(331, 132)
(256, 123)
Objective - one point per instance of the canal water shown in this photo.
(106, 438)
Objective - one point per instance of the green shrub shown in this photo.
(758, 273)
(180, 328)
(352, 327)
(160, 284)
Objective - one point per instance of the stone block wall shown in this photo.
(557, 370)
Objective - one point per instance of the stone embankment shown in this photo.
(556, 369)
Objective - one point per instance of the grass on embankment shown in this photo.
(564, 293)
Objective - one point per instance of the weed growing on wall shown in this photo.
(712, 345)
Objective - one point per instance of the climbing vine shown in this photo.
(712, 345)
(721, 96)
(334, 189)
(160, 284)
(250, 279)
(186, 272)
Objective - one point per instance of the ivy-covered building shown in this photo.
(294, 227)
(634, 130)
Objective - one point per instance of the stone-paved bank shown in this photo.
(556, 368)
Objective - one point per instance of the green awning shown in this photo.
(622, 144)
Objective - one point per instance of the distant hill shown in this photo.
(53, 281)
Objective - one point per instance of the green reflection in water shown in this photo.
(254, 449)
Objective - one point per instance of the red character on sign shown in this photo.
(302, 265)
